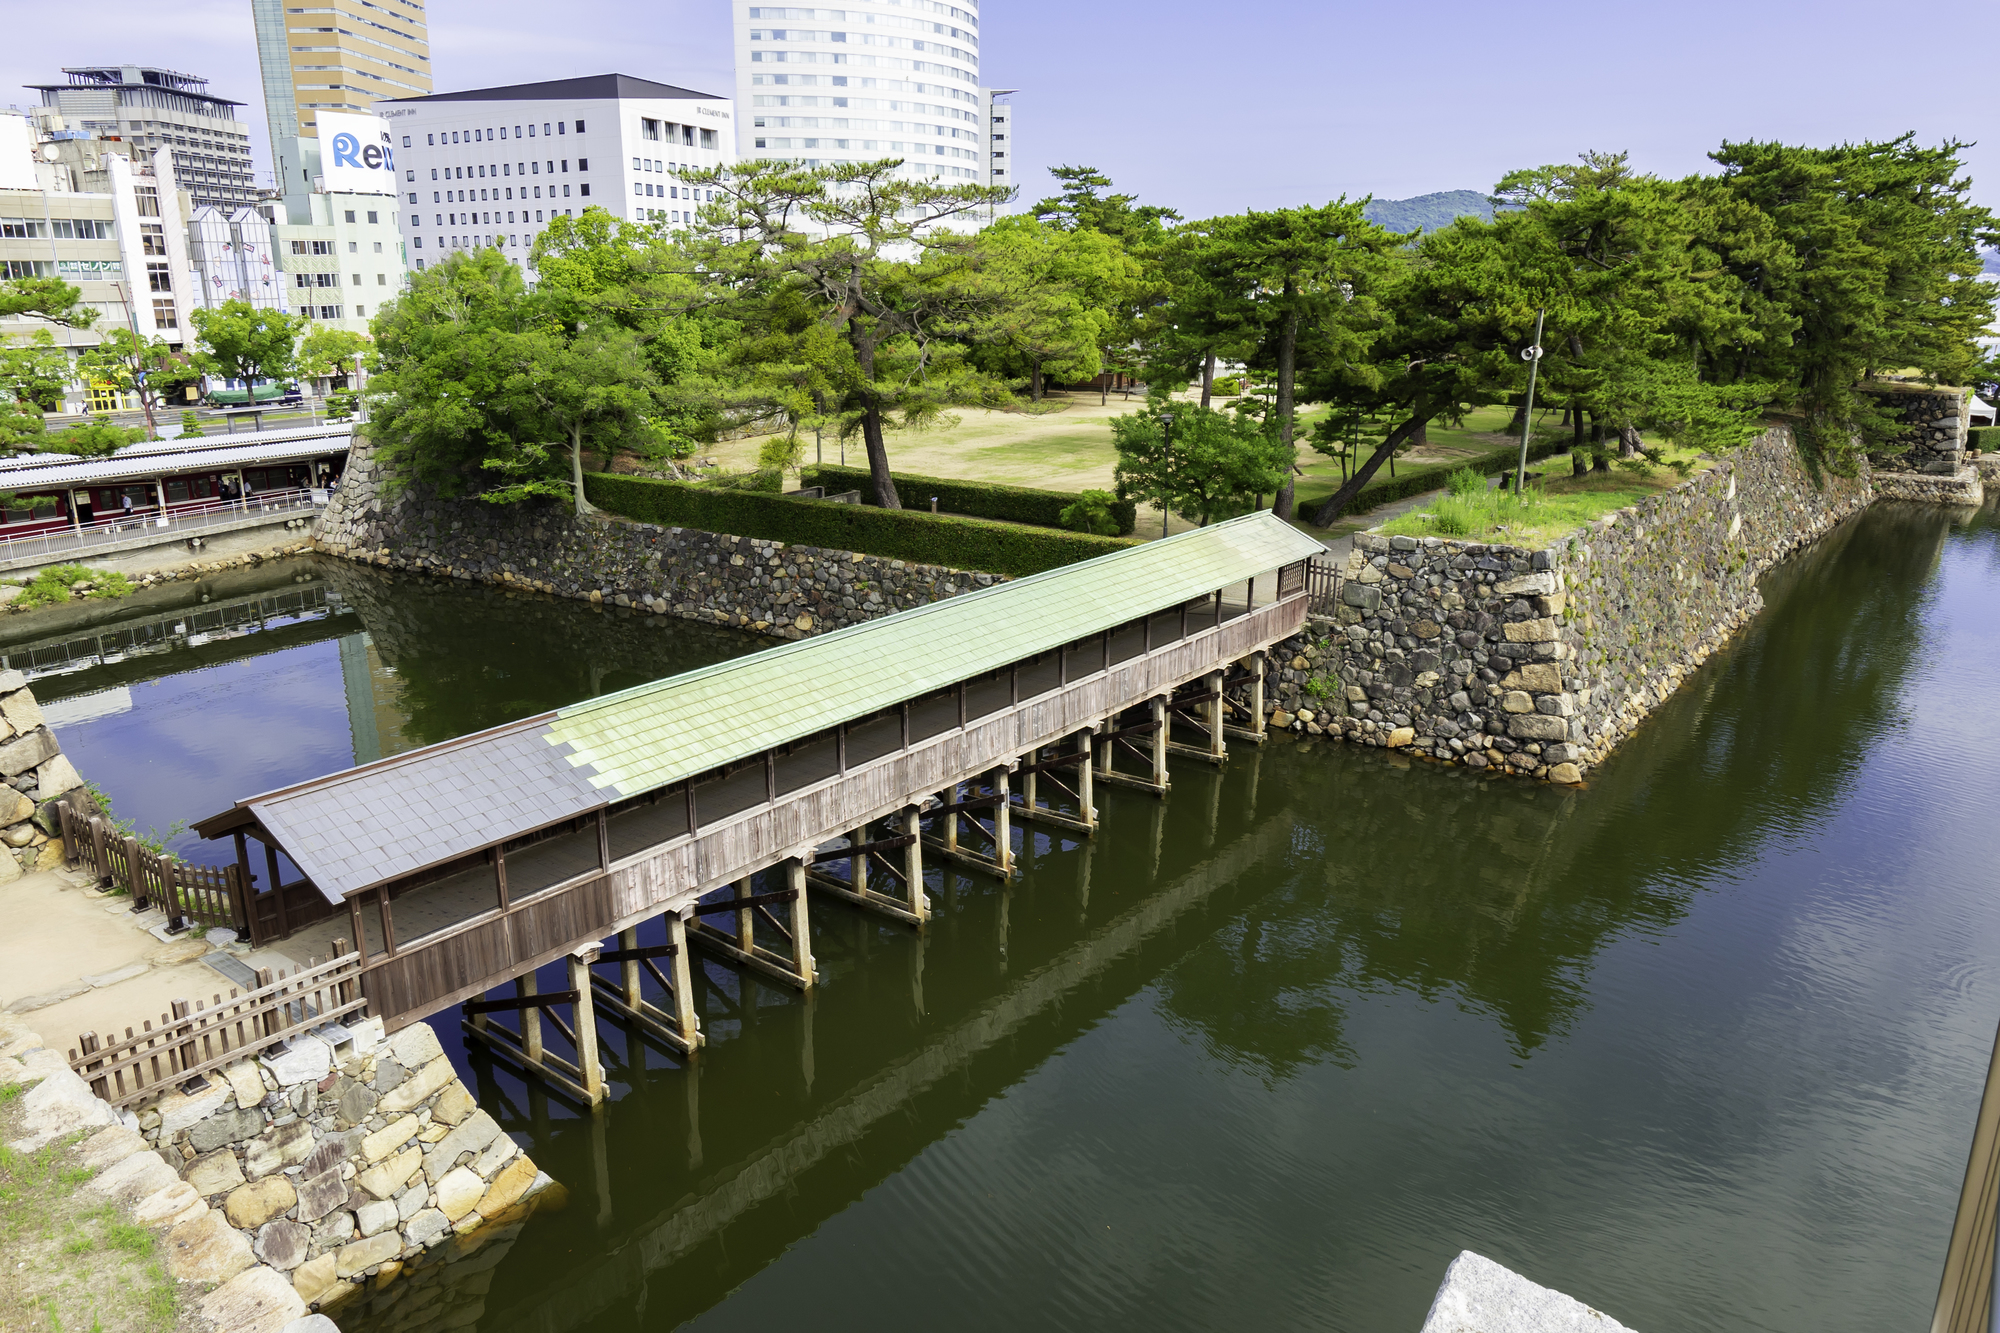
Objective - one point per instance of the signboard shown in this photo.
(90, 268)
(354, 154)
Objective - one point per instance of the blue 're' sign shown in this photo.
(349, 152)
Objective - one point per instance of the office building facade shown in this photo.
(876, 79)
(493, 166)
(156, 110)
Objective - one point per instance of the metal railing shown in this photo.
(185, 519)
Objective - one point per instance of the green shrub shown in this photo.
(768, 480)
(976, 499)
(1227, 387)
(1983, 438)
(54, 585)
(1092, 513)
(190, 422)
(1383, 490)
(925, 538)
(1464, 481)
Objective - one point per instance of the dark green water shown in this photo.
(1700, 1044)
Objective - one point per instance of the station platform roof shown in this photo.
(352, 830)
(165, 458)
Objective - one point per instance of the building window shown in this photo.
(565, 191)
(164, 315)
(648, 129)
(357, 280)
(153, 239)
(350, 215)
(159, 278)
(329, 312)
(419, 243)
(360, 312)
(583, 189)
(372, 216)
(431, 140)
(406, 141)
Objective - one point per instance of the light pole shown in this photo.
(1531, 354)
(1166, 463)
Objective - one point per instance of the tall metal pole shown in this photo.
(1533, 356)
(1166, 466)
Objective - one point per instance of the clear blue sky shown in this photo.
(1212, 108)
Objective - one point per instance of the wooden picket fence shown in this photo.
(201, 897)
(194, 1039)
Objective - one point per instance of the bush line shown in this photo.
(919, 537)
(976, 499)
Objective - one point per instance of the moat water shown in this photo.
(1700, 1044)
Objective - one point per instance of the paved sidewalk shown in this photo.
(73, 960)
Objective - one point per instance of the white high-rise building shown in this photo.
(492, 166)
(876, 79)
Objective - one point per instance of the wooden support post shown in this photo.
(913, 865)
(857, 867)
(531, 1019)
(585, 1012)
(951, 821)
(1159, 707)
(277, 888)
(1028, 784)
(1216, 745)
(683, 977)
(802, 954)
(1086, 794)
(1003, 831)
(746, 918)
(1257, 695)
(629, 969)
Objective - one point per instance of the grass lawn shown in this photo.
(1068, 448)
(1554, 505)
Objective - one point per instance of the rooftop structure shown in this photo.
(150, 109)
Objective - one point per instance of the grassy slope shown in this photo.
(1557, 504)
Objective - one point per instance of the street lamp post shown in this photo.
(1531, 354)
(1166, 464)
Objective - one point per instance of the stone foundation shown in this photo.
(1966, 486)
(338, 1161)
(35, 773)
(785, 591)
(1538, 662)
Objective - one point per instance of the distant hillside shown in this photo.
(1428, 212)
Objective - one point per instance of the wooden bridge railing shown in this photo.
(202, 897)
(1323, 579)
(192, 1040)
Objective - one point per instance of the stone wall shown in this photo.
(35, 773)
(1537, 662)
(785, 591)
(1934, 420)
(340, 1160)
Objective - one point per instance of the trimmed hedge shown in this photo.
(924, 538)
(1386, 490)
(978, 499)
(1983, 438)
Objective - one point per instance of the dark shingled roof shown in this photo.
(591, 86)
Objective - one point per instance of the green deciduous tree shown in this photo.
(146, 368)
(238, 341)
(1065, 294)
(1210, 463)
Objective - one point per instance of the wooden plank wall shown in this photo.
(444, 969)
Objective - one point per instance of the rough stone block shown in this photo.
(1540, 677)
(1361, 597)
(56, 776)
(472, 1136)
(389, 1138)
(1567, 773)
(321, 1194)
(1537, 727)
(309, 1061)
(357, 1103)
(1528, 585)
(366, 1254)
(62, 1103)
(418, 1088)
(507, 1187)
(1530, 631)
(328, 1154)
(1517, 701)
(452, 1105)
(21, 710)
(389, 1073)
(260, 1300)
(376, 1217)
(1480, 1296)
(313, 1278)
(134, 1178)
(14, 807)
(412, 1201)
(245, 1122)
(26, 752)
(498, 1155)
(287, 1145)
(282, 1244)
(415, 1046)
(426, 1227)
(108, 1146)
(312, 1323)
(216, 1173)
(1401, 736)
(459, 1193)
(246, 1082)
(164, 1205)
(207, 1249)
(384, 1180)
(251, 1206)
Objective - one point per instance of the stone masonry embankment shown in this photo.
(784, 591)
(1538, 662)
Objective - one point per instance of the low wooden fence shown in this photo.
(194, 1039)
(1323, 579)
(198, 897)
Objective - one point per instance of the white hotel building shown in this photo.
(874, 79)
(492, 166)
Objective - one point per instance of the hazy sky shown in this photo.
(1211, 108)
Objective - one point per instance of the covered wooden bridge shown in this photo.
(832, 764)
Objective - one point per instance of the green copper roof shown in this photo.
(651, 735)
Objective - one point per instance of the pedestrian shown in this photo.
(125, 505)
